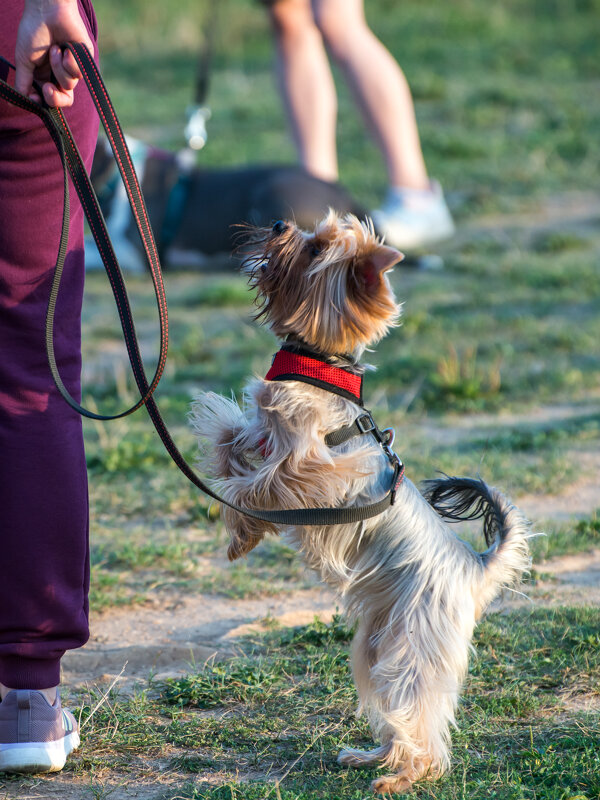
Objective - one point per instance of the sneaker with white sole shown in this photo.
(412, 219)
(34, 735)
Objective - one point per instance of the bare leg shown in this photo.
(49, 694)
(379, 86)
(307, 86)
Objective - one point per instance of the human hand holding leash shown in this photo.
(44, 26)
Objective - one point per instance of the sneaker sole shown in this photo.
(34, 757)
(409, 240)
(419, 244)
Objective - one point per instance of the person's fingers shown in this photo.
(66, 75)
(39, 55)
(71, 65)
(83, 38)
(57, 97)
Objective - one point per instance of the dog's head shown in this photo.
(328, 288)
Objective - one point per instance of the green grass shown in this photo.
(270, 722)
(495, 370)
(502, 94)
(580, 537)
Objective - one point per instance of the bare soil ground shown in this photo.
(187, 631)
(170, 637)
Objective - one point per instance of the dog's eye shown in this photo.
(315, 250)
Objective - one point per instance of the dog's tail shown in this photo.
(505, 528)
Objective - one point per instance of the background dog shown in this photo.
(414, 589)
(193, 210)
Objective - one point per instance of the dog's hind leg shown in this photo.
(363, 655)
(409, 696)
(351, 757)
(413, 740)
(418, 770)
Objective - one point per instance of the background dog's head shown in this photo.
(327, 288)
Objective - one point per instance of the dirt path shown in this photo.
(173, 637)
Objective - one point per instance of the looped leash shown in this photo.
(57, 127)
(72, 163)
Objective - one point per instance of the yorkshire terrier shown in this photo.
(303, 439)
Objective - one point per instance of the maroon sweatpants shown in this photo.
(44, 554)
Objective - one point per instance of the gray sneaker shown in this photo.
(413, 220)
(34, 735)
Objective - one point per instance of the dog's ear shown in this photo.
(369, 268)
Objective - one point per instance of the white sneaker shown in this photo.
(413, 219)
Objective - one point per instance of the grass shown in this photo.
(270, 722)
(501, 95)
(494, 371)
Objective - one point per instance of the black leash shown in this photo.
(206, 56)
(72, 163)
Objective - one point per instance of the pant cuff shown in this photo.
(17, 672)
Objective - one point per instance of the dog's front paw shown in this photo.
(418, 769)
(392, 784)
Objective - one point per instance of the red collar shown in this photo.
(289, 366)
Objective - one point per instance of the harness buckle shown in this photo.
(365, 423)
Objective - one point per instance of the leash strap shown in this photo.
(58, 129)
(72, 163)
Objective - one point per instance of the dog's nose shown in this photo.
(279, 226)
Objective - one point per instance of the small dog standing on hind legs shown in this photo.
(303, 439)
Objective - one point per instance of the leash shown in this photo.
(57, 127)
(199, 113)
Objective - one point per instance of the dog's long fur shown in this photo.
(413, 588)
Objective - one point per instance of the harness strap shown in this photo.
(58, 129)
(361, 425)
